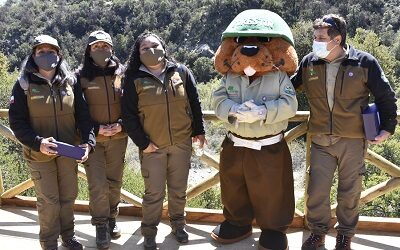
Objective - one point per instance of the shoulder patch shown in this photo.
(289, 90)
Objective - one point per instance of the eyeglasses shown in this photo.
(261, 39)
(331, 23)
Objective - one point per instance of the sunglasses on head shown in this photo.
(262, 39)
(331, 23)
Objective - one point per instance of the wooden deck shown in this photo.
(19, 230)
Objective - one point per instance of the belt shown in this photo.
(254, 144)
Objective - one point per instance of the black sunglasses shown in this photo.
(331, 23)
(262, 39)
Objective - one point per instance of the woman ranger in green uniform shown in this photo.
(100, 79)
(47, 105)
(161, 112)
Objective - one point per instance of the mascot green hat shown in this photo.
(261, 23)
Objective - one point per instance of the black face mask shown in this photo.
(47, 61)
(101, 57)
(152, 57)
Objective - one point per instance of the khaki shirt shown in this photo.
(274, 90)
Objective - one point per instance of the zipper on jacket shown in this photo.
(341, 85)
(168, 115)
(327, 102)
(54, 109)
(61, 103)
(113, 87)
(108, 98)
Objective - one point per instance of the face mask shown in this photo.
(101, 57)
(46, 61)
(152, 57)
(319, 49)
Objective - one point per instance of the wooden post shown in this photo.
(307, 176)
(1, 185)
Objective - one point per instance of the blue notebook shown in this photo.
(68, 150)
(371, 121)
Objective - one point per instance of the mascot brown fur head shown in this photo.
(261, 43)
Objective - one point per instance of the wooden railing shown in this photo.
(207, 215)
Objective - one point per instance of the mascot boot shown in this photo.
(227, 233)
(272, 240)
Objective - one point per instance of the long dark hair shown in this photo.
(88, 69)
(134, 59)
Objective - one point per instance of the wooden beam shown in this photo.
(193, 215)
(382, 163)
(296, 132)
(3, 113)
(1, 185)
(200, 188)
(379, 190)
(198, 215)
(210, 160)
(7, 133)
(374, 192)
(18, 189)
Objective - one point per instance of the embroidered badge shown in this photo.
(232, 92)
(35, 90)
(289, 90)
(37, 97)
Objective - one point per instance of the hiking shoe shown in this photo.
(181, 235)
(226, 233)
(149, 243)
(313, 242)
(343, 242)
(72, 244)
(115, 232)
(102, 236)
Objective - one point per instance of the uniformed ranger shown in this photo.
(161, 112)
(100, 79)
(46, 105)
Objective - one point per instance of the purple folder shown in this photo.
(68, 150)
(371, 121)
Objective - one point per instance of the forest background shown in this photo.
(192, 30)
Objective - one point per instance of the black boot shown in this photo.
(181, 235)
(149, 243)
(102, 236)
(115, 232)
(270, 239)
(226, 233)
(72, 244)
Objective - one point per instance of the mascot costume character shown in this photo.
(255, 101)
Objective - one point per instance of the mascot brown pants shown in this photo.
(257, 184)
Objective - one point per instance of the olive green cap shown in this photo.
(99, 36)
(45, 39)
(260, 23)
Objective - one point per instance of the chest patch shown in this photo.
(233, 92)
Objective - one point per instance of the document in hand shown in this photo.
(68, 150)
(371, 121)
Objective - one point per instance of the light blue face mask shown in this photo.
(320, 48)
